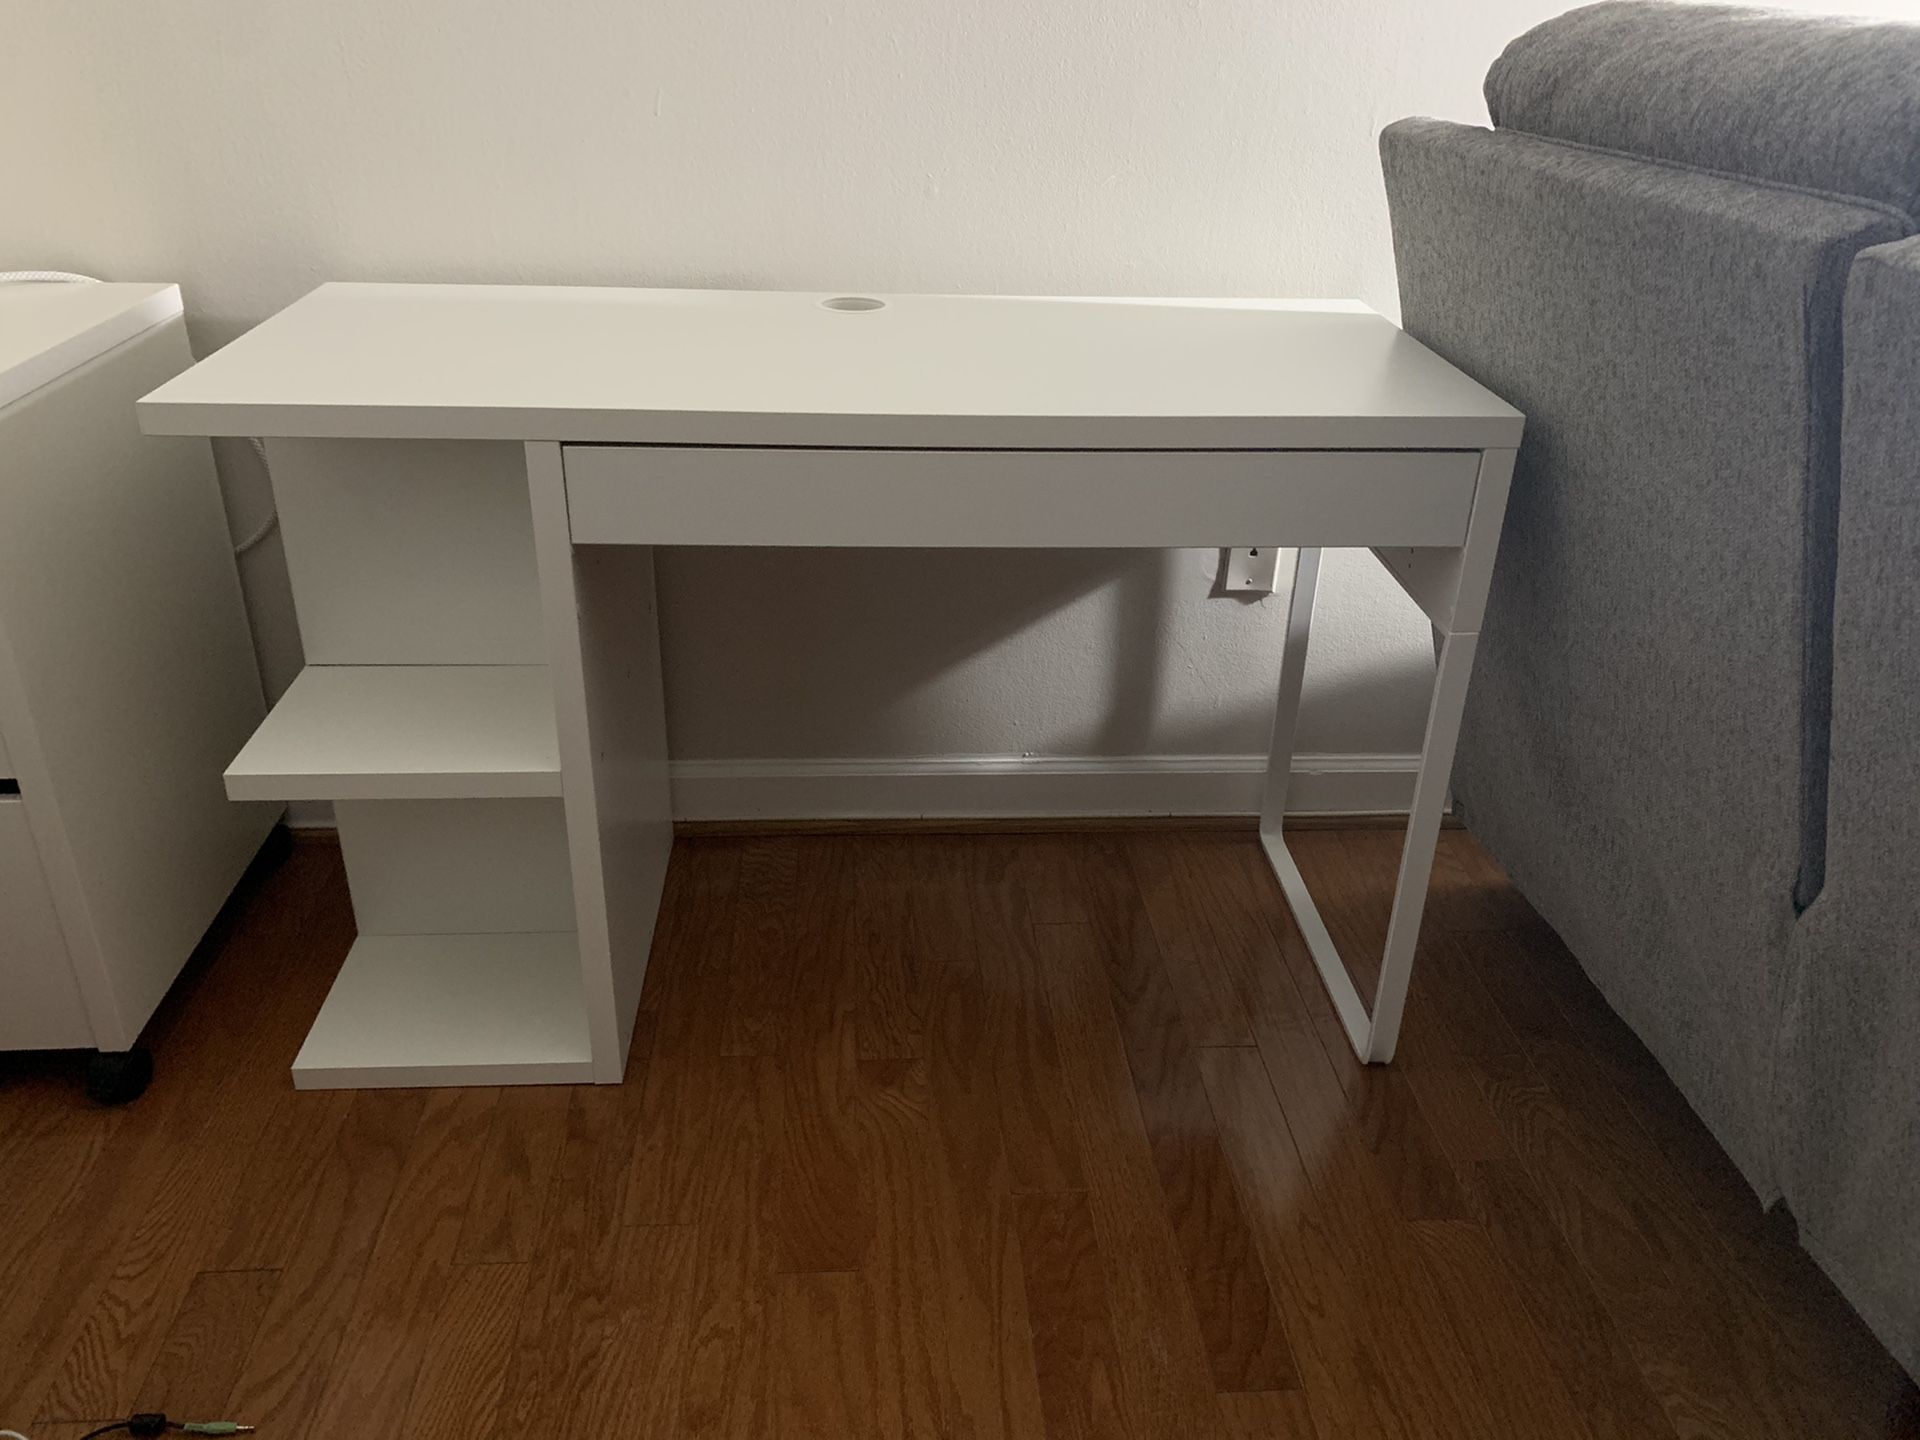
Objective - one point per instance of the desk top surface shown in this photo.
(745, 367)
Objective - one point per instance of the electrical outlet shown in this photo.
(1251, 571)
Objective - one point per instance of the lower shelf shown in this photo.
(451, 1010)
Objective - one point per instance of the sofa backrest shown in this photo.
(1645, 740)
(1822, 104)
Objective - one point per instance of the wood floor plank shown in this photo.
(292, 1355)
(1593, 1362)
(822, 1216)
(118, 1292)
(823, 1210)
(1164, 1372)
(1075, 1356)
(1349, 876)
(1036, 1129)
(207, 1343)
(895, 975)
(631, 1388)
(940, 871)
(763, 948)
(410, 1270)
(1824, 1341)
(826, 1386)
(665, 960)
(992, 1389)
(1481, 1305)
(689, 1029)
(1393, 1128)
(1684, 1287)
(1211, 1004)
(1297, 1010)
(277, 1186)
(462, 1372)
(1645, 1262)
(515, 1173)
(1268, 1415)
(1469, 892)
(132, 1311)
(1249, 915)
(1246, 1341)
(56, 1267)
(1372, 1240)
(1343, 1370)
(724, 1385)
(570, 1294)
(49, 1146)
(903, 1271)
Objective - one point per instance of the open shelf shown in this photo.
(451, 1010)
(404, 732)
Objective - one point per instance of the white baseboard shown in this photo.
(1005, 786)
(1015, 785)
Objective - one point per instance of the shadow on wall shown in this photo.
(791, 654)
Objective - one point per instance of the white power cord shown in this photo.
(10, 1434)
(273, 513)
(67, 277)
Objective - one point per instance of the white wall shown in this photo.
(252, 148)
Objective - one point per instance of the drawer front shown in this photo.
(1159, 499)
(40, 1005)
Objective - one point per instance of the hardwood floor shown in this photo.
(981, 1135)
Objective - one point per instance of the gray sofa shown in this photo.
(1849, 1084)
(1693, 738)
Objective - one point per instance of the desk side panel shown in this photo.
(603, 653)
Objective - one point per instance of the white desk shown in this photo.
(471, 480)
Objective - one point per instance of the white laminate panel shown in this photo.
(603, 626)
(743, 367)
(404, 732)
(40, 1007)
(409, 553)
(47, 330)
(426, 867)
(450, 1010)
(127, 674)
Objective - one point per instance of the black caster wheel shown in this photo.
(117, 1076)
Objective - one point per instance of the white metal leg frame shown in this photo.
(1450, 585)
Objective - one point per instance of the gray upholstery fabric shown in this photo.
(1824, 104)
(1633, 745)
(1850, 1073)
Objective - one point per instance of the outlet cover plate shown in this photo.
(1251, 571)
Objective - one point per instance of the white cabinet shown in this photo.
(40, 1005)
(127, 676)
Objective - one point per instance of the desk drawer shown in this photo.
(39, 1003)
(1159, 499)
